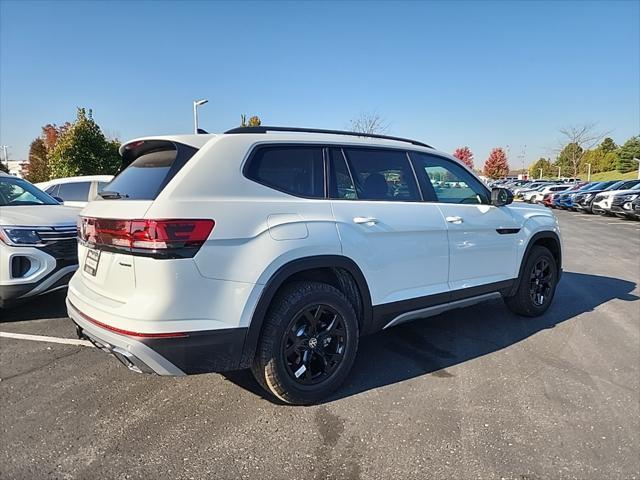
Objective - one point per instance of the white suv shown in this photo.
(277, 248)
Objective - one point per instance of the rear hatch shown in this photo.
(112, 230)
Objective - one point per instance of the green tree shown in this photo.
(84, 150)
(253, 121)
(628, 151)
(546, 166)
(38, 162)
(569, 160)
(3, 167)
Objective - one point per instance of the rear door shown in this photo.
(482, 238)
(399, 242)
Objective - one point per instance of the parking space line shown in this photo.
(42, 338)
(618, 223)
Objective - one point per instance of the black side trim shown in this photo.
(507, 231)
(539, 236)
(202, 352)
(383, 314)
(279, 278)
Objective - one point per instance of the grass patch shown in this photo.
(613, 175)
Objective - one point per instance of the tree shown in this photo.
(496, 165)
(604, 158)
(545, 165)
(84, 150)
(465, 155)
(628, 151)
(3, 167)
(52, 132)
(38, 162)
(254, 121)
(568, 155)
(369, 123)
(581, 138)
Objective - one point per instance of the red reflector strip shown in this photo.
(128, 332)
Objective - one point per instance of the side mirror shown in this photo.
(501, 197)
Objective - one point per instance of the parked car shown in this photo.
(75, 191)
(636, 208)
(621, 203)
(566, 201)
(559, 198)
(602, 201)
(520, 191)
(276, 249)
(584, 200)
(38, 248)
(537, 196)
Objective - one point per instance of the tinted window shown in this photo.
(15, 192)
(340, 184)
(53, 190)
(451, 182)
(151, 165)
(294, 170)
(74, 192)
(381, 174)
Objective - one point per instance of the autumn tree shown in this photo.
(629, 151)
(369, 123)
(465, 155)
(84, 150)
(496, 165)
(38, 162)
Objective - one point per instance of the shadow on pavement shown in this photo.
(432, 345)
(50, 305)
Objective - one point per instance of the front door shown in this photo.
(482, 238)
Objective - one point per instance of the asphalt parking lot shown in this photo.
(474, 393)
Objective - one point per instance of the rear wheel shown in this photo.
(308, 344)
(537, 285)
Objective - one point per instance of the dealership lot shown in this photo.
(474, 393)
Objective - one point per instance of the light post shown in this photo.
(589, 173)
(196, 104)
(540, 174)
(6, 155)
(637, 160)
(559, 169)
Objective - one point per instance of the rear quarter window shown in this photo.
(296, 170)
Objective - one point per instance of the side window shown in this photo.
(52, 190)
(381, 174)
(74, 192)
(294, 170)
(340, 182)
(451, 182)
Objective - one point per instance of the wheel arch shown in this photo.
(336, 270)
(548, 239)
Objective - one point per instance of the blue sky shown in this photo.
(482, 74)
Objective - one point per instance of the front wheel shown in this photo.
(537, 285)
(308, 343)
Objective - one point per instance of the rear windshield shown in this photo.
(148, 168)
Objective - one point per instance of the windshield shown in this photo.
(16, 192)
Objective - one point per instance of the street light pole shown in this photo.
(196, 104)
(559, 170)
(637, 160)
(540, 174)
(6, 155)
(589, 174)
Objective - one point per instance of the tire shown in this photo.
(523, 301)
(294, 362)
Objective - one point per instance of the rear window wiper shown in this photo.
(106, 194)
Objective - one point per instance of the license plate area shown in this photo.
(91, 262)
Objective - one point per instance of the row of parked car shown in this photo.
(612, 197)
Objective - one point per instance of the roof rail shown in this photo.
(266, 129)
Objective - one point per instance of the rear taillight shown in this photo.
(152, 238)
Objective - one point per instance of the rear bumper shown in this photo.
(192, 352)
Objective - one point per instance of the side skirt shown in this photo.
(391, 314)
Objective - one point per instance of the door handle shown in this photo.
(365, 220)
(456, 220)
